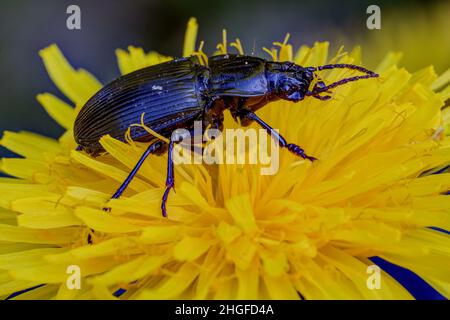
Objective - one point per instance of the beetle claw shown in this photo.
(164, 199)
(312, 159)
(297, 150)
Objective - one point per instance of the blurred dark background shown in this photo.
(28, 26)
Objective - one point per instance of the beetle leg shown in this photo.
(295, 149)
(151, 149)
(323, 98)
(170, 179)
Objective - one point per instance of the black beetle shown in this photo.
(174, 94)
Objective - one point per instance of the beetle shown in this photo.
(177, 93)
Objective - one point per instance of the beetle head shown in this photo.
(291, 82)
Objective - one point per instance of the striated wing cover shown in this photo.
(170, 94)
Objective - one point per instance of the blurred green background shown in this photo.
(420, 28)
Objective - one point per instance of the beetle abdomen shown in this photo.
(170, 94)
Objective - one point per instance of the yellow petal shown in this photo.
(240, 209)
(30, 145)
(31, 170)
(275, 264)
(15, 286)
(51, 236)
(161, 234)
(57, 273)
(190, 37)
(109, 171)
(190, 248)
(392, 58)
(105, 248)
(77, 85)
(130, 271)
(60, 111)
(357, 272)
(280, 288)
(227, 233)
(43, 213)
(13, 191)
(248, 282)
(25, 258)
(136, 59)
(241, 252)
(104, 222)
(442, 80)
(174, 285)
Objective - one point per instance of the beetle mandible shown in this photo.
(177, 93)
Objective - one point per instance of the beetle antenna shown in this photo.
(343, 81)
(368, 74)
(344, 66)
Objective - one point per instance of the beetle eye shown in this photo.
(320, 85)
(295, 96)
(286, 88)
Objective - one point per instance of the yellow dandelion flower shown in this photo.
(307, 232)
